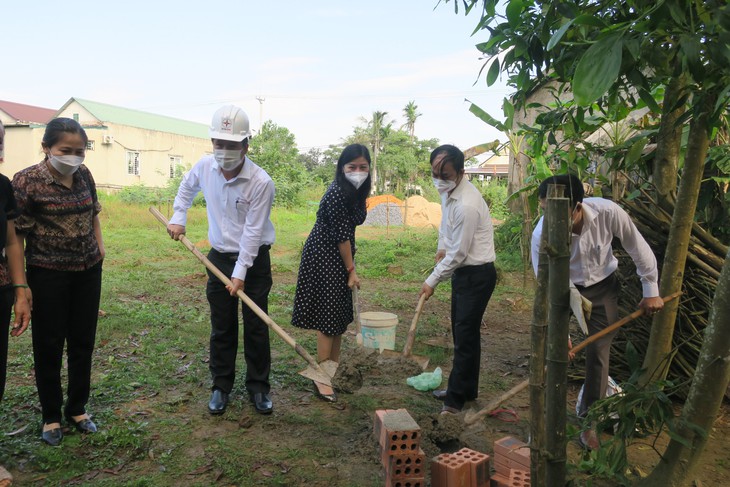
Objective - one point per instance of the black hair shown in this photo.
(573, 188)
(59, 126)
(452, 155)
(349, 154)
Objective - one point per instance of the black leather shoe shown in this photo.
(439, 394)
(52, 437)
(218, 402)
(86, 425)
(262, 403)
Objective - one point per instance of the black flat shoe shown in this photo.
(52, 437)
(262, 403)
(325, 397)
(86, 425)
(439, 394)
(218, 402)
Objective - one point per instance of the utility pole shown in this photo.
(261, 100)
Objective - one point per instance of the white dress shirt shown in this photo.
(591, 254)
(466, 233)
(238, 209)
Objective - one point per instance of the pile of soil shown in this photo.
(421, 212)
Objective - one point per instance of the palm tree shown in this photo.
(376, 129)
(411, 113)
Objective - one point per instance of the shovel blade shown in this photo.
(328, 368)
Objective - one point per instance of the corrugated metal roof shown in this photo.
(27, 114)
(135, 118)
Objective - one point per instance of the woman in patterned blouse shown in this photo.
(64, 250)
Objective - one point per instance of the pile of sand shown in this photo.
(421, 213)
(374, 201)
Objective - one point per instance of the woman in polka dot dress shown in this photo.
(323, 299)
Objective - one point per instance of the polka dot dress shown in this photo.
(323, 301)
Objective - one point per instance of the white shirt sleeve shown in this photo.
(465, 225)
(639, 250)
(535, 244)
(189, 187)
(253, 229)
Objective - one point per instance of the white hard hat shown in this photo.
(230, 123)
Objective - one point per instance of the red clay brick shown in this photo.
(457, 472)
(414, 482)
(378, 423)
(503, 465)
(401, 434)
(438, 470)
(479, 466)
(404, 465)
(499, 480)
(519, 478)
(513, 449)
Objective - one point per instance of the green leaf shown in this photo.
(493, 72)
(558, 35)
(649, 100)
(513, 11)
(597, 69)
(590, 20)
(487, 118)
(635, 151)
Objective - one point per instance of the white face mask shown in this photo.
(356, 178)
(65, 164)
(227, 159)
(444, 185)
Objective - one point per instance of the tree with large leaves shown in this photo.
(622, 53)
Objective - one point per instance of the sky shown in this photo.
(318, 68)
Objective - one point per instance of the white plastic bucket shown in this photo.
(378, 329)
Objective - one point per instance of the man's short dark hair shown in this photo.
(571, 183)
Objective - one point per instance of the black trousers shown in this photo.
(471, 289)
(7, 298)
(65, 311)
(604, 297)
(224, 323)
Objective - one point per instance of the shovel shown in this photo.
(319, 372)
(356, 310)
(472, 418)
(411, 338)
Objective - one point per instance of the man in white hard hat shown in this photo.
(239, 195)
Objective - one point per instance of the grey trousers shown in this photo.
(604, 297)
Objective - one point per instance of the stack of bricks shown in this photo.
(511, 462)
(399, 437)
(465, 468)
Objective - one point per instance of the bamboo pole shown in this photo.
(558, 219)
(537, 368)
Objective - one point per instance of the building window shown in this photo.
(90, 145)
(174, 162)
(133, 163)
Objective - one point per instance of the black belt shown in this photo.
(234, 255)
(473, 269)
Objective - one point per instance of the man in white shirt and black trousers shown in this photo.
(466, 255)
(595, 223)
(238, 195)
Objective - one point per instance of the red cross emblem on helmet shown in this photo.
(226, 122)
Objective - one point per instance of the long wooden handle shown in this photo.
(259, 312)
(472, 418)
(411, 338)
(356, 311)
(619, 324)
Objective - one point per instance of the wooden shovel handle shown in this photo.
(474, 417)
(411, 338)
(259, 312)
(619, 324)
